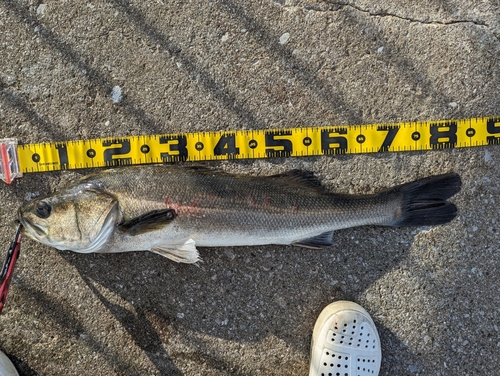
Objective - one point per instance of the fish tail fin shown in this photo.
(424, 201)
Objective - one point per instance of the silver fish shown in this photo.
(170, 210)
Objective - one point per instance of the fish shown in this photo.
(171, 210)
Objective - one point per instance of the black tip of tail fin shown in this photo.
(424, 201)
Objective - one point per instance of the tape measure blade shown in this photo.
(252, 144)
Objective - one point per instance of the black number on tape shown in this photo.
(227, 146)
(392, 131)
(122, 149)
(177, 148)
(331, 144)
(492, 128)
(278, 147)
(443, 135)
(63, 156)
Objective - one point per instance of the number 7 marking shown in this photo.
(391, 130)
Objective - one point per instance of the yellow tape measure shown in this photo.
(293, 142)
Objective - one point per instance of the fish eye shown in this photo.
(43, 210)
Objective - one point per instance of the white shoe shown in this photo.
(6, 366)
(345, 342)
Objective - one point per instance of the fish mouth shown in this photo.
(27, 224)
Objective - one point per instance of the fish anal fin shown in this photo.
(149, 221)
(317, 242)
(179, 252)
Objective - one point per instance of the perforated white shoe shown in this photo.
(345, 342)
(6, 366)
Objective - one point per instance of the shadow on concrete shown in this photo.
(253, 293)
(141, 330)
(98, 79)
(57, 314)
(298, 69)
(22, 367)
(14, 100)
(194, 71)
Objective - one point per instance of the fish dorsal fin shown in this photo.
(317, 242)
(200, 168)
(185, 252)
(149, 221)
(300, 177)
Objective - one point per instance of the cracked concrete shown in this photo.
(223, 65)
(330, 6)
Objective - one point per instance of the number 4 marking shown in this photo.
(227, 146)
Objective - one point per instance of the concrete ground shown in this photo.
(225, 64)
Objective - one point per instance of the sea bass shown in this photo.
(170, 210)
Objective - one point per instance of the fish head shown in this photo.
(81, 219)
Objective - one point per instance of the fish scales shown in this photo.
(217, 202)
(170, 209)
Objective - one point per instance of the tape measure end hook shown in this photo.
(9, 160)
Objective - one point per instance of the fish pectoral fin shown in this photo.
(179, 252)
(149, 221)
(317, 242)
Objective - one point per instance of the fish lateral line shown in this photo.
(186, 207)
